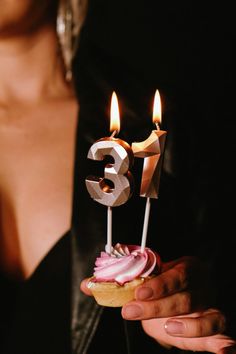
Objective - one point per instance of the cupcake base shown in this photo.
(112, 294)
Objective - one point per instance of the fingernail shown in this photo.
(144, 293)
(174, 327)
(132, 312)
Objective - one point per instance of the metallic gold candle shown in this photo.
(120, 189)
(152, 151)
(117, 172)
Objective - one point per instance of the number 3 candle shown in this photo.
(151, 150)
(117, 172)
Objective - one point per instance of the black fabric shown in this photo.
(115, 335)
(35, 314)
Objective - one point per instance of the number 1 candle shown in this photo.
(151, 150)
(120, 189)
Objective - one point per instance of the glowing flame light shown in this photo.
(114, 114)
(157, 108)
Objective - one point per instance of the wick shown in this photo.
(113, 134)
(157, 126)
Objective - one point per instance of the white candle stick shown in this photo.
(108, 247)
(145, 224)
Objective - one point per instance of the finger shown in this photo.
(213, 344)
(176, 277)
(174, 305)
(206, 324)
(165, 284)
(84, 287)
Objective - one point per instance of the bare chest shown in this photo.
(36, 184)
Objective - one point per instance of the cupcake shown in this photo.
(116, 275)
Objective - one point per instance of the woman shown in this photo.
(42, 152)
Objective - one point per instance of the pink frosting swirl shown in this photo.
(125, 263)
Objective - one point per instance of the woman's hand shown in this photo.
(173, 308)
(182, 287)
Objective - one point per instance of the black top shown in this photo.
(35, 314)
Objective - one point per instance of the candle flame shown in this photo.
(114, 114)
(157, 108)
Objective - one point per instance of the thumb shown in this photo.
(84, 287)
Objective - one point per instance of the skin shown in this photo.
(22, 17)
(38, 116)
(174, 313)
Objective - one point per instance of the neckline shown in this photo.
(46, 257)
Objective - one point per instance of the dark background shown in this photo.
(185, 49)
